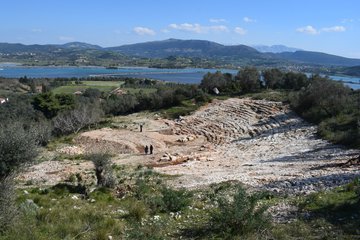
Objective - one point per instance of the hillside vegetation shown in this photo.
(112, 201)
(187, 53)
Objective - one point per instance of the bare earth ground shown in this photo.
(260, 143)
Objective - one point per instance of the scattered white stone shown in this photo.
(122, 212)
(74, 197)
(71, 150)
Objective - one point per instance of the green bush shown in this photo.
(8, 209)
(17, 148)
(342, 129)
(354, 186)
(157, 197)
(240, 216)
(150, 231)
(333, 106)
(137, 211)
(175, 200)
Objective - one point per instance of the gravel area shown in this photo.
(260, 143)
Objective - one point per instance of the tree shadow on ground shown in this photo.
(61, 188)
(320, 153)
(307, 185)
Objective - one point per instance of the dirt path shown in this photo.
(259, 143)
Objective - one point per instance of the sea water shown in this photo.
(186, 75)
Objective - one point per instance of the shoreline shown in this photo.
(194, 75)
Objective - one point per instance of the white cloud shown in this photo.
(308, 30)
(219, 28)
(197, 28)
(249, 20)
(144, 31)
(334, 29)
(66, 38)
(217, 20)
(240, 30)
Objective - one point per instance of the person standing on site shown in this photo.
(151, 149)
(146, 149)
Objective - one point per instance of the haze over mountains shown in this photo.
(188, 48)
(275, 48)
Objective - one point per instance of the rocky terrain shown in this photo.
(260, 143)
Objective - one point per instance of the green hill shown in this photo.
(352, 71)
(79, 53)
(186, 48)
(318, 58)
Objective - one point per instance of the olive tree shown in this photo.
(73, 121)
(8, 209)
(103, 169)
(273, 78)
(248, 79)
(17, 149)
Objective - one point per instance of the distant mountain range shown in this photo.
(235, 54)
(12, 48)
(201, 48)
(318, 58)
(80, 45)
(186, 48)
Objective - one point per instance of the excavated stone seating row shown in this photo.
(263, 144)
(232, 120)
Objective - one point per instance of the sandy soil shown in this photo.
(260, 143)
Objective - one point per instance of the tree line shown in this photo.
(320, 100)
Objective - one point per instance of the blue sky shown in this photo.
(330, 26)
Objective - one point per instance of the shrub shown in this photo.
(341, 129)
(202, 97)
(175, 200)
(240, 216)
(149, 231)
(103, 169)
(137, 211)
(248, 79)
(332, 105)
(50, 104)
(17, 148)
(321, 99)
(117, 105)
(8, 209)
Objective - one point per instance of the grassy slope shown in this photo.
(137, 210)
(56, 215)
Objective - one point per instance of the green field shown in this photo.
(104, 86)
